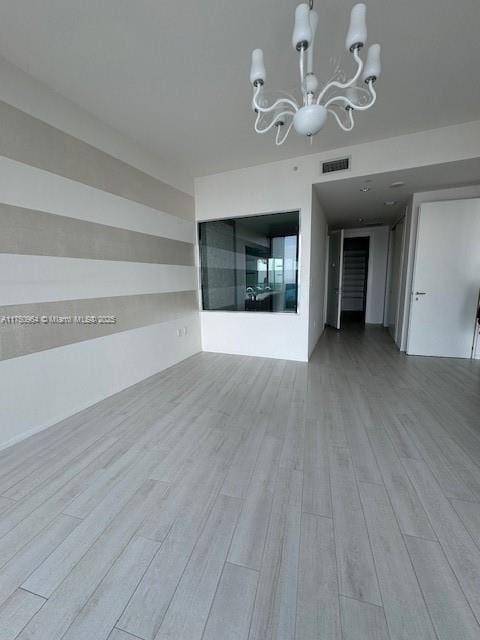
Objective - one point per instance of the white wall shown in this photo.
(28, 94)
(270, 335)
(38, 389)
(238, 191)
(395, 260)
(282, 335)
(267, 335)
(411, 226)
(377, 270)
(42, 388)
(286, 186)
(318, 273)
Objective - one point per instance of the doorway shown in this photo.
(355, 278)
(347, 279)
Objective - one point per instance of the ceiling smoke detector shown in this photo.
(365, 189)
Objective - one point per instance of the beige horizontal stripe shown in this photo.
(130, 312)
(29, 232)
(33, 142)
(31, 188)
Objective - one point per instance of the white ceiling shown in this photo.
(174, 75)
(345, 203)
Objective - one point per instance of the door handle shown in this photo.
(420, 293)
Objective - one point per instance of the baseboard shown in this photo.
(256, 355)
(30, 433)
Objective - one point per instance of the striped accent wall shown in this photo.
(98, 285)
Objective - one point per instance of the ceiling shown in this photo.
(269, 226)
(345, 203)
(174, 75)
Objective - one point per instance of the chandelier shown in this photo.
(339, 97)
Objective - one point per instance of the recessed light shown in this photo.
(395, 185)
(365, 189)
(390, 203)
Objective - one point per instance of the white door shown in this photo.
(335, 275)
(446, 279)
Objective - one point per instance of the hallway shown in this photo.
(238, 498)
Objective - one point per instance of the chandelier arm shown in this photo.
(351, 118)
(277, 140)
(273, 106)
(344, 85)
(274, 121)
(340, 123)
(373, 93)
(349, 103)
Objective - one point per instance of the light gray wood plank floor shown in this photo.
(243, 498)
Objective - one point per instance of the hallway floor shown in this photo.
(236, 498)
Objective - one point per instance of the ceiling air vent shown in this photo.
(343, 164)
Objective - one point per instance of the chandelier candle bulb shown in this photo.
(311, 83)
(373, 66)
(302, 32)
(357, 32)
(257, 71)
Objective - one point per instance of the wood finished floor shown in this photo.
(235, 498)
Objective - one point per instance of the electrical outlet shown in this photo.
(179, 333)
(185, 331)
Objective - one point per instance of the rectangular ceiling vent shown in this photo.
(342, 164)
